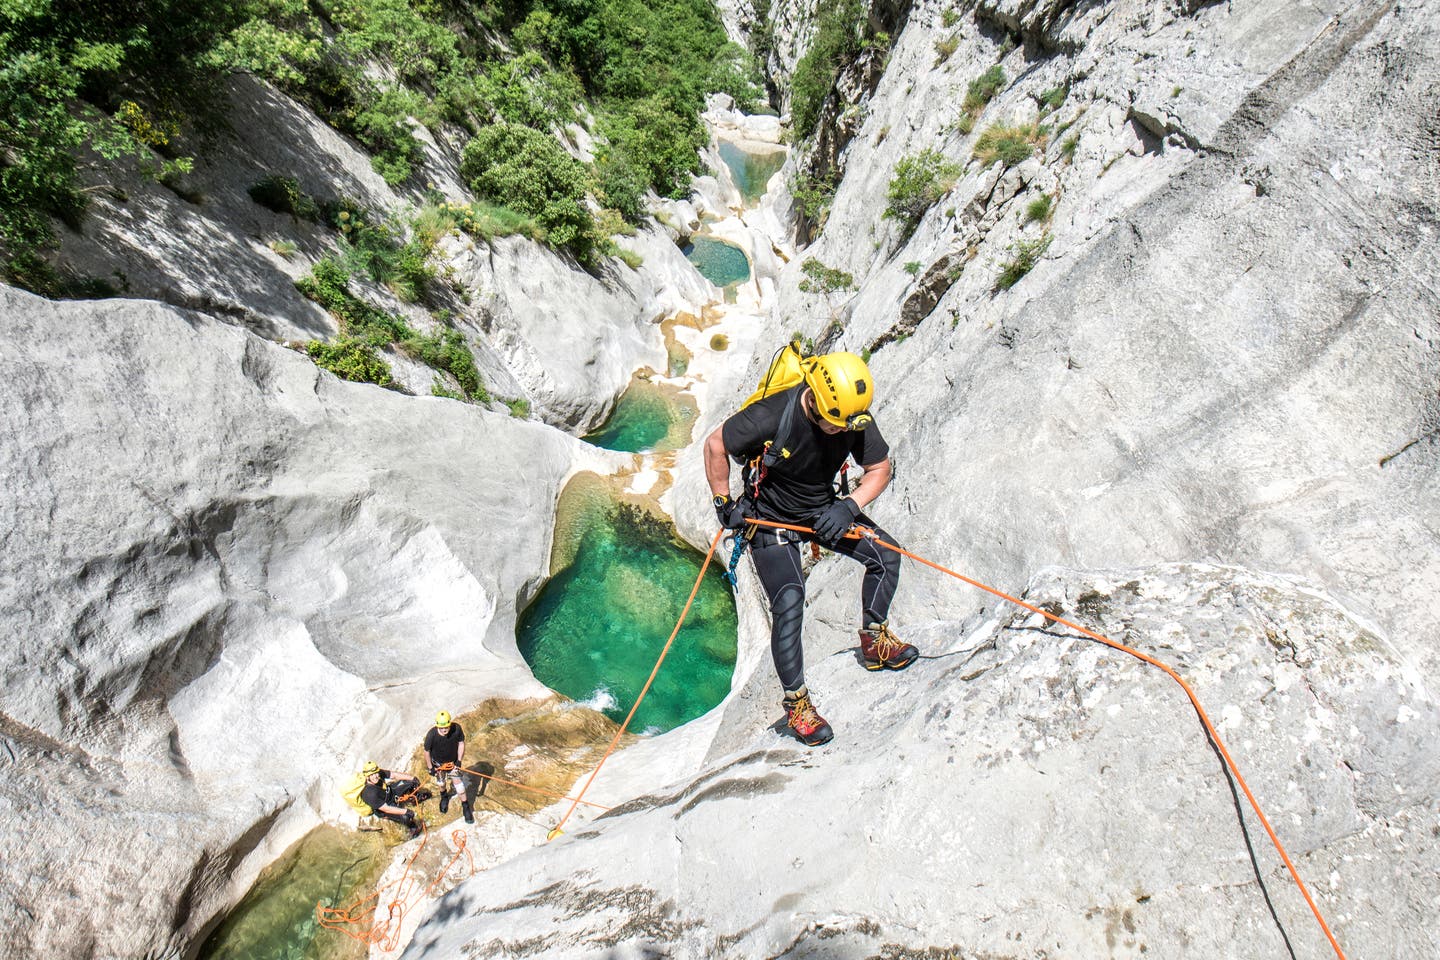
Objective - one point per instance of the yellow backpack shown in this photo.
(786, 370)
(351, 789)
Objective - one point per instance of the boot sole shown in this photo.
(886, 664)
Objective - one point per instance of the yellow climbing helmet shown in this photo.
(843, 389)
(442, 719)
(371, 767)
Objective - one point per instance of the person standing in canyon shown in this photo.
(793, 441)
(444, 753)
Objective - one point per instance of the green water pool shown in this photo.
(719, 262)
(276, 919)
(751, 171)
(596, 628)
(648, 418)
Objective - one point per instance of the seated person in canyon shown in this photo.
(793, 443)
(444, 754)
(384, 790)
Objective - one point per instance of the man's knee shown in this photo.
(787, 609)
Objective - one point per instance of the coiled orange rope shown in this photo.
(361, 919)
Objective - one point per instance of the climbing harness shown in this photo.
(858, 532)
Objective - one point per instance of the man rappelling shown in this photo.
(793, 441)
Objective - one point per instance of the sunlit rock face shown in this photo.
(222, 568)
(1025, 791)
(1215, 376)
(226, 572)
(561, 336)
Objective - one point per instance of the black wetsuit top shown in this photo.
(444, 749)
(799, 487)
(377, 794)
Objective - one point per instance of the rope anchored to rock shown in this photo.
(856, 533)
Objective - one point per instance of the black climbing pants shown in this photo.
(406, 819)
(776, 556)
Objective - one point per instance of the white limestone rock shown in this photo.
(1022, 788)
(226, 575)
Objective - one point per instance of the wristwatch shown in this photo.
(719, 500)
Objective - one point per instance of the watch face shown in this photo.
(720, 500)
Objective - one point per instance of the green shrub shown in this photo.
(350, 359)
(919, 181)
(1009, 144)
(383, 126)
(438, 388)
(448, 351)
(949, 17)
(1027, 254)
(523, 90)
(946, 47)
(528, 171)
(659, 141)
(983, 89)
(1067, 149)
(283, 195)
(824, 280)
(837, 38)
(913, 267)
(620, 184)
(815, 195)
(1039, 208)
(329, 285)
(519, 408)
(1051, 99)
(630, 258)
(965, 123)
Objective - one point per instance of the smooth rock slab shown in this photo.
(1026, 793)
(226, 577)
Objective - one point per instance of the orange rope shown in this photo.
(645, 689)
(866, 533)
(366, 909)
(446, 767)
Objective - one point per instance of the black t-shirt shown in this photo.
(797, 488)
(375, 794)
(444, 749)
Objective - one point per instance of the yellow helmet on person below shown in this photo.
(442, 719)
(843, 389)
(371, 767)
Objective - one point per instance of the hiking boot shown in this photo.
(469, 812)
(879, 648)
(800, 715)
(444, 802)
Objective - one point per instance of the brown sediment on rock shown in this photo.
(544, 743)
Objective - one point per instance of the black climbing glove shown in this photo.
(837, 518)
(730, 513)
